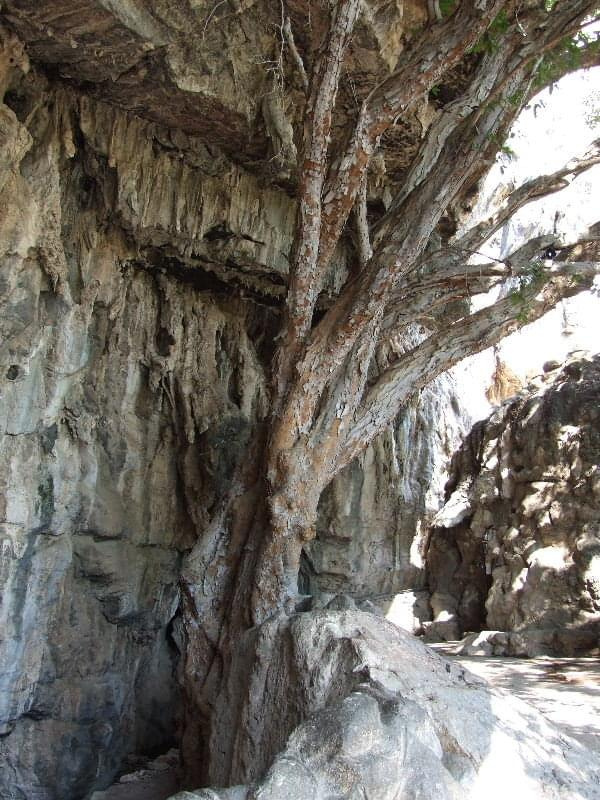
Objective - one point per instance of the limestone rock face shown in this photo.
(141, 270)
(123, 395)
(517, 545)
(371, 532)
(377, 714)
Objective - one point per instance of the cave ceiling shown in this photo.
(205, 67)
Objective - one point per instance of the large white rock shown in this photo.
(385, 717)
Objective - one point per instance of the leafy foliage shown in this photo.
(566, 57)
(530, 281)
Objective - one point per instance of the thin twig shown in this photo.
(210, 16)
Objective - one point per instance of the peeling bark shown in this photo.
(325, 405)
(325, 412)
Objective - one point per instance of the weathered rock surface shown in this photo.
(212, 71)
(380, 715)
(121, 390)
(140, 274)
(371, 532)
(516, 549)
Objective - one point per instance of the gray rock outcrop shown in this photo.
(377, 714)
(516, 548)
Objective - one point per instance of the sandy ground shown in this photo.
(566, 690)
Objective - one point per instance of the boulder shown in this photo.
(523, 557)
(383, 716)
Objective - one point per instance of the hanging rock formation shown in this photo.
(124, 394)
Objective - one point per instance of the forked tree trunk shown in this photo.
(241, 579)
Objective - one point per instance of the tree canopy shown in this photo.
(332, 390)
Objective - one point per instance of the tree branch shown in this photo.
(367, 296)
(441, 47)
(320, 359)
(363, 240)
(516, 64)
(455, 342)
(448, 277)
(442, 128)
(550, 31)
(362, 303)
(304, 286)
(527, 193)
(296, 57)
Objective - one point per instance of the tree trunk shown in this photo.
(241, 573)
(327, 403)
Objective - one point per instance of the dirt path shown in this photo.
(566, 690)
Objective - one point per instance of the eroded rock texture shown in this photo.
(143, 258)
(517, 546)
(377, 714)
(126, 397)
(369, 542)
(214, 71)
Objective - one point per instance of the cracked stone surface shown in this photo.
(516, 549)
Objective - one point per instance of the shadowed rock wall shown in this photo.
(371, 534)
(126, 397)
(516, 548)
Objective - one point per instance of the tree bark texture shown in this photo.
(327, 400)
